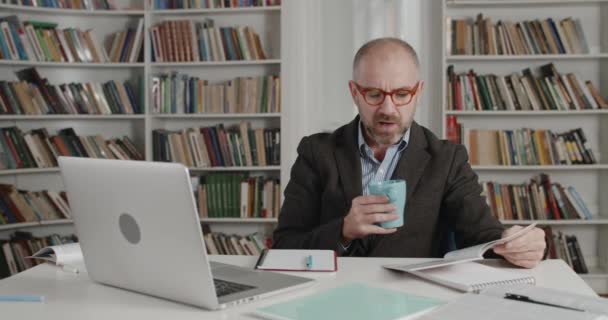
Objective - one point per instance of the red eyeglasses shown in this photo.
(376, 96)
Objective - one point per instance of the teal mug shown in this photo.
(395, 191)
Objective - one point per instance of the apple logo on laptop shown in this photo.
(129, 228)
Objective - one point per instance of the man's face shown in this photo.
(387, 69)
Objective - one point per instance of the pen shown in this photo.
(309, 262)
(21, 298)
(522, 298)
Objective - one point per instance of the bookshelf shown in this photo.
(266, 21)
(589, 179)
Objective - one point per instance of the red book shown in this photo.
(452, 129)
(546, 183)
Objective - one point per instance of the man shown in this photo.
(327, 205)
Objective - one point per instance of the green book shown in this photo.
(42, 24)
(352, 301)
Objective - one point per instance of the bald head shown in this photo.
(383, 49)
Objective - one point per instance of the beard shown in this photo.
(385, 130)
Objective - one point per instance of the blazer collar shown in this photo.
(413, 160)
(347, 159)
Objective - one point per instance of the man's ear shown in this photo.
(353, 89)
(420, 90)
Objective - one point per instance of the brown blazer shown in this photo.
(443, 195)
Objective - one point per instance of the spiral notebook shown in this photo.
(469, 276)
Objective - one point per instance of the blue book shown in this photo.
(126, 44)
(227, 37)
(579, 201)
(7, 212)
(7, 155)
(132, 99)
(13, 25)
(558, 40)
(202, 46)
(215, 141)
(4, 47)
(355, 301)
(173, 93)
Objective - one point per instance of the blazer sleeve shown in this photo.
(467, 212)
(299, 226)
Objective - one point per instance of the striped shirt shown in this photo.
(373, 170)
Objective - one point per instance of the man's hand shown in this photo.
(364, 213)
(525, 251)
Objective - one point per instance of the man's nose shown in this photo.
(387, 106)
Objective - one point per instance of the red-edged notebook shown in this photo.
(298, 260)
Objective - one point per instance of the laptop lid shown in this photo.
(138, 227)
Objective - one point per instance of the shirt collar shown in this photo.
(363, 145)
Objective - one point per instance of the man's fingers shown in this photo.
(529, 255)
(524, 263)
(371, 199)
(372, 229)
(380, 217)
(519, 247)
(378, 208)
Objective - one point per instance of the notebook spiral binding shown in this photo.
(476, 288)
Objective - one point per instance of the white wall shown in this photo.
(319, 41)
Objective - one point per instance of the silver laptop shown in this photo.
(139, 230)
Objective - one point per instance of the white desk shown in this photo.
(74, 296)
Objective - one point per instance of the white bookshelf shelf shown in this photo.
(567, 222)
(526, 113)
(213, 169)
(594, 273)
(22, 225)
(217, 116)
(28, 171)
(73, 117)
(536, 168)
(239, 220)
(494, 3)
(217, 63)
(525, 58)
(109, 65)
(45, 10)
(216, 11)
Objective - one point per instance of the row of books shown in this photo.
(18, 206)
(23, 244)
(126, 46)
(549, 91)
(480, 36)
(528, 147)
(225, 195)
(33, 95)
(37, 149)
(174, 93)
(224, 244)
(66, 4)
(567, 248)
(537, 199)
(188, 40)
(43, 41)
(217, 146)
(232, 244)
(212, 4)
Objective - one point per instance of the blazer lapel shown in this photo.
(347, 159)
(413, 160)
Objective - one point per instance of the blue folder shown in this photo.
(352, 301)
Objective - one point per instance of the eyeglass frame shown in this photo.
(363, 90)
